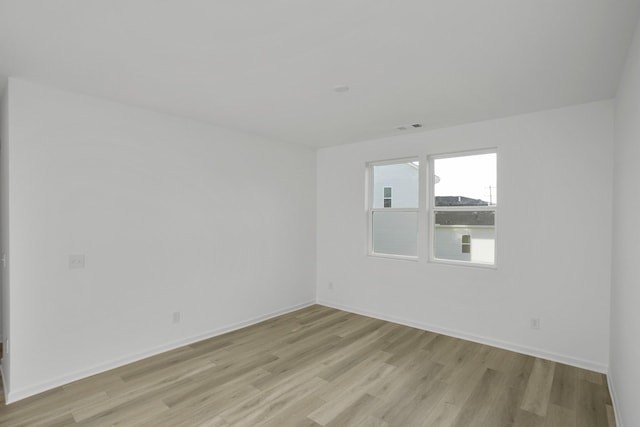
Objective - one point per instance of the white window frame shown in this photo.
(433, 208)
(371, 210)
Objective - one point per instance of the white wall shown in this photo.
(172, 215)
(553, 225)
(624, 375)
(4, 230)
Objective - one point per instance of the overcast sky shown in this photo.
(469, 176)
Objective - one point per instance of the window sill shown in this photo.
(464, 264)
(391, 256)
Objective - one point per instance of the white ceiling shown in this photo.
(269, 67)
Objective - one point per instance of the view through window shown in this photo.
(464, 202)
(393, 213)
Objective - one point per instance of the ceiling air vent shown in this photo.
(408, 127)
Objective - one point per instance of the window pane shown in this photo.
(465, 236)
(466, 180)
(402, 178)
(395, 233)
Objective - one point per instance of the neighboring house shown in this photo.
(459, 201)
(396, 186)
(462, 236)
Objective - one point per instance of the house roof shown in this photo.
(459, 201)
(465, 218)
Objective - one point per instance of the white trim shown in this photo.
(14, 396)
(397, 161)
(423, 250)
(4, 382)
(370, 210)
(462, 226)
(614, 399)
(393, 256)
(464, 153)
(463, 263)
(395, 210)
(535, 352)
(432, 208)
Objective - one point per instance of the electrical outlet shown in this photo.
(535, 323)
(76, 261)
(176, 317)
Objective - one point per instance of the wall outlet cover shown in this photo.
(76, 261)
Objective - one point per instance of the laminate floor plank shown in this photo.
(410, 410)
(463, 382)
(441, 415)
(297, 411)
(202, 409)
(528, 419)
(319, 367)
(563, 389)
(592, 401)
(357, 413)
(260, 409)
(481, 400)
(611, 417)
(371, 342)
(560, 416)
(505, 409)
(537, 394)
(342, 393)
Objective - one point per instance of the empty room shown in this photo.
(330, 213)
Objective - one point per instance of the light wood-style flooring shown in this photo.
(324, 367)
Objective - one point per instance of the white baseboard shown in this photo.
(614, 399)
(15, 395)
(568, 360)
(4, 382)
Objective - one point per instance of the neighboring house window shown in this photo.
(463, 208)
(387, 197)
(393, 208)
(466, 244)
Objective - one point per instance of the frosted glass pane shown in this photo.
(395, 233)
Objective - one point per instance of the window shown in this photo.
(393, 208)
(463, 208)
(387, 197)
(466, 244)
